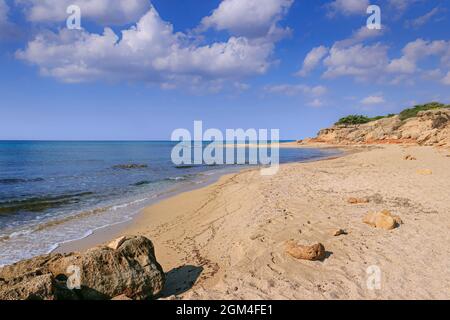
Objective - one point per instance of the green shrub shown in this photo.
(412, 112)
(353, 119)
(405, 114)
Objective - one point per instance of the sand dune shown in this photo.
(227, 240)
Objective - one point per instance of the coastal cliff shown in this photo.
(428, 127)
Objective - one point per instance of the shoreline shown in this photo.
(227, 240)
(107, 233)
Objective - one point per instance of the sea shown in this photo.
(52, 192)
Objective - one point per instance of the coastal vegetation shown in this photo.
(403, 115)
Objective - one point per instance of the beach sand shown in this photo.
(226, 241)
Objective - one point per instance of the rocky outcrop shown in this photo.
(127, 267)
(430, 128)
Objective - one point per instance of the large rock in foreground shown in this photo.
(129, 269)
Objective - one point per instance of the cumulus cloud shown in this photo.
(417, 50)
(104, 12)
(371, 62)
(348, 7)
(296, 89)
(360, 61)
(249, 18)
(372, 100)
(149, 51)
(312, 59)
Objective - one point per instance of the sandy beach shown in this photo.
(227, 240)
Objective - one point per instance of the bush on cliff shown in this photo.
(359, 119)
(412, 112)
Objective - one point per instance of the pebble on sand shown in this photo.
(382, 220)
(312, 253)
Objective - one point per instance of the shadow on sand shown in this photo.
(180, 280)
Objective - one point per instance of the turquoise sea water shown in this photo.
(53, 192)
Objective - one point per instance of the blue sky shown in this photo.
(138, 69)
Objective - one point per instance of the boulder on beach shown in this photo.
(382, 220)
(127, 267)
(313, 252)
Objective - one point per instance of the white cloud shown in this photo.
(420, 21)
(4, 9)
(415, 51)
(296, 89)
(105, 12)
(401, 5)
(7, 28)
(312, 59)
(348, 7)
(374, 99)
(352, 58)
(446, 79)
(316, 103)
(149, 51)
(361, 35)
(362, 62)
(249, 18)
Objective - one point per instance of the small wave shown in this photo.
(40, 204)
(80, 215)
(19, 180)
(177, 178)
(185, 166)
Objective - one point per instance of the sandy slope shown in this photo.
(228, 238)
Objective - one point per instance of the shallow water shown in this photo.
(54, 192)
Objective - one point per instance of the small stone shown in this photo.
(357, 200)
(424, 172)
(256, 236)
(338, 232)
(312, 253)
(382, 220)
(409, 157)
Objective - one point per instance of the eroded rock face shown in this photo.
(314, 252)
(101, 273)
(430, 128)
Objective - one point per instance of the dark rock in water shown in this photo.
(130, 166)
(141, 183)
(128, 268)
